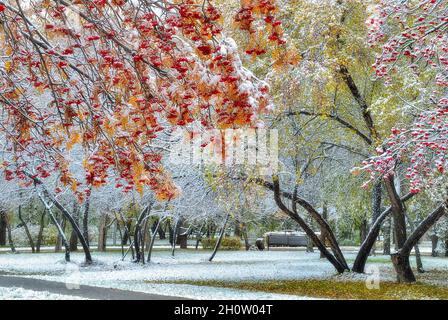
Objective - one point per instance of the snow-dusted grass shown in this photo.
(23, 294)
(190, 265)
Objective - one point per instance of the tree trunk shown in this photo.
(41, 231)
(366, 247)
(386, 237)
(9, 233)
(434, 243)
(3, 223)
(102, 233)
(403, 268)
(162, 234)
(58, 205)
(363, 231)
(153, 238)
(60, 233)
(418, 258)
(59, 240)
(446, 248)
(221, 236)
(339, 266)
(246, 237)
(398, 212)
(73, 235)
(27, 231)
(173, 236)
(401, 258)
(85, 221)
(323, 232)
(139, 253)
(376, 208)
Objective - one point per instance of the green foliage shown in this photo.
(50, 235)
(228, 243)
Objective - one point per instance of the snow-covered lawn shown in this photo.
(23, 294)
(110, 271)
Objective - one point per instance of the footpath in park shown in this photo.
(88, 292)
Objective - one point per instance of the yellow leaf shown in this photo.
(8, 66)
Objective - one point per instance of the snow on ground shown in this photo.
(23, 294)
(110, 271)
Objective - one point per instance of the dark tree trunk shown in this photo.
(366, 247)
(398, 212)
(27, 231)
(237, 230)
(340, 267)
(58, 205)
(446, 248)
(102, 233)
(315, 215)
(9, 232)
(73, 235)
(139, 253)
(221, 236)
(376, 208)
(323, 232)
(170, 233)
(401, 258)
(403, 268)
(3, 223)
(61, 236)
(153, 238)
(363, 230)
(85, 221)
(246, 237)
(418, 257)
(41, 231)
(386, 236)
(434, 243)
(162, 235)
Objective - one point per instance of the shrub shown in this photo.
(231, 243)
(208, 243)
(228, 243)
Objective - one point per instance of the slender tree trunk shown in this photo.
(173, 236)
(221, 236)
(418, 257)
(339, 266)
(27, 231)
(3, 223)
(60, 240)
(386, 237)
(434, 243)
(73, 235)
(323, 232)
(9, 233)
(41, 231)
(61, 208)
(85, 221)
(376, 209)
(246, 237)
(61, 234)
(363, 230)
(102, 233)
(446, 248)
(398, 212)
(153, 238)
(139, 253)
(162, 233)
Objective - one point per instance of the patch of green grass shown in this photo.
(333, 289)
